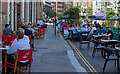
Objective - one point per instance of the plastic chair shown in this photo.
(22, 55)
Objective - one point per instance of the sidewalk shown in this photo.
(54, 55)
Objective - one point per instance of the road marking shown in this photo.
(82, 57)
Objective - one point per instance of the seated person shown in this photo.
(76, 30)
(109, 33)
(28, 32)
(7, 29)
(84, 29)
(89, 28)
(25, 37)
(102, 31)
(92, 32)
(18, 43)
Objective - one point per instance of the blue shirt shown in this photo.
(29, 32)
(76, 30)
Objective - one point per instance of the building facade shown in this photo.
(15, 13)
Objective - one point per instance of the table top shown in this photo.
(4, 48)
(118, 48)
(110, 40)
(97, 35)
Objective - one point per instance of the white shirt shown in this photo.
(22, 44)
(93, 29)
(83, 29)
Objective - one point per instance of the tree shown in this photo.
(110, 13)
(64, 6)
(89, 11)
(74, 13)
(50, 13)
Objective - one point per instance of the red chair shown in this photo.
(10, 39)
(7, 39)
(41, 32)
(30, 40)
(22, 55)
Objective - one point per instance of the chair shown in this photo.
(96, 47)
(30, 40)
(41, 32)
(110, 56)
(22, 55)
(85, 41)
(8, 39)
(71, 35)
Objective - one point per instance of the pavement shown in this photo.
(54, 54)
(97, 62)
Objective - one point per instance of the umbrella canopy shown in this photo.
(114, 18)
(98, 16)
(66, 17)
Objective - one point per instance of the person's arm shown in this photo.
(32, 35)
(12, 49)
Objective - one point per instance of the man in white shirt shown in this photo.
(93, 29)
(21, 42)
(92, 32)
(84, 29)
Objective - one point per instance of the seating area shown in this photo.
(107, 48)
(21, 55)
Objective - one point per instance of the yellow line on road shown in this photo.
(82, 57)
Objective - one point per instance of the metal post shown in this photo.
(55, 24)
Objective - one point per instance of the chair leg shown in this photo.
(105, 65)
(88, 46)
(80, 46)
(93, 54)
(118, 64)
(5, 68)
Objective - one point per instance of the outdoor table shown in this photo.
(110, 43)
(97, 37)
(3, 57)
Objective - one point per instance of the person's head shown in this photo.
(83, 26)
(29, 25)
(19, 35)
(93, 25)
(108, 28)
(19, 26)
(26, 26)
(6, 25)
(21, 29)
(88, 25)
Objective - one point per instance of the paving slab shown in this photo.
(54, 55)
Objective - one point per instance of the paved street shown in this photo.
(54, 55)
(96, 63)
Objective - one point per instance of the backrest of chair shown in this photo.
(65, 30)
(23, 55)
(84, 37)
(4, 37)
(10, 39)
(42, 30)
(29, 37)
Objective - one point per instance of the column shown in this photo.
(8, 11)
(32, 12)
(12, 15)
(22, 11)
(35, 11)
(28, 11)
(15, 24)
